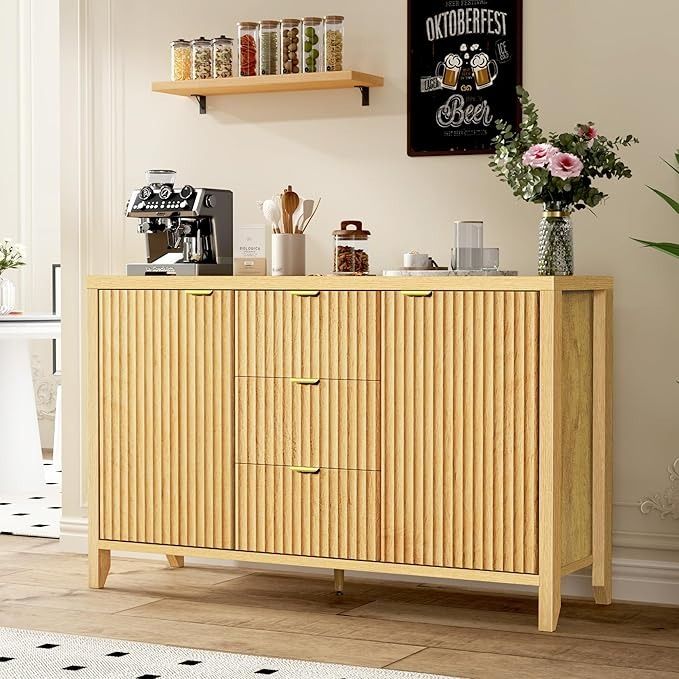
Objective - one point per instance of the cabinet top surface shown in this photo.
(375, 283)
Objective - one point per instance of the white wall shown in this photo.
(583, 61)
(29, 172)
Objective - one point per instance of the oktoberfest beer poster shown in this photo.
(464, 64)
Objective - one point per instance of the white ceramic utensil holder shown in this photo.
(288, 254)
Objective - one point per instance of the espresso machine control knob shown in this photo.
(186, 192)
(146, 193)
(165, 192)
(209, 201)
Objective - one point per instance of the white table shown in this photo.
(21, 467)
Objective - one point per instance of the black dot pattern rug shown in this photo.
(27, 654)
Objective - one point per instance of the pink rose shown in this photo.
(588, 131)
(539, 155)
(565, 166)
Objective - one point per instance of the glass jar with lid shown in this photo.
(269, 47)
(222, 57)
(201, 59)
(291, 46)
(334, 43)
(352, 255)
(248, 48)
(180, 60)
(312, 44)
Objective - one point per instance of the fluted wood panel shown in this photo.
(334, 513)
(335, 335)
(459, 430)
(332, 424)
(166, 418)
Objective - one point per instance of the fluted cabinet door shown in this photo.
(166, 417)
(460, 430)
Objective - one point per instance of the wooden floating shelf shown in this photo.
(339, 80)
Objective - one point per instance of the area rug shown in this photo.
(27, 654)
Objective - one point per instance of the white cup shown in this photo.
(414, 260)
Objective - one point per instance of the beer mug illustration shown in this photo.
(448, 71)
(484, 69)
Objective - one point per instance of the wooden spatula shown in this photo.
(290, 203)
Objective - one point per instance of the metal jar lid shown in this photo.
(180, 41)
(221, 38)
(200, 41)
(357, 233)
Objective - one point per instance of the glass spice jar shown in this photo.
(180, 60)
(312, 32)
(291, 46)
(334, 43)
(222, 57)
(248, 48)
(269, 47)
(351, 249)
(201, 59)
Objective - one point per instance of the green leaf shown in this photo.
(668, 248)
(676, 169)
(668, 199)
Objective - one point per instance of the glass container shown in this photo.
(201, 59)
(312, 44)
(160, 177)
(180, 60)
(222, 57)
(334, 43)
(491, 259)
(555, 242)
(467, 253)
(269, 47)
(352, 256)
(248, 48)
(291, 46)
(7, 296)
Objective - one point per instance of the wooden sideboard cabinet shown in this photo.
(456, 428)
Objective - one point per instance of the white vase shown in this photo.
(7, 296)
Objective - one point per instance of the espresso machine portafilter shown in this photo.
(188, 231)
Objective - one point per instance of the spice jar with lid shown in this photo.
(334, 43)
(291, 46)
(351, 249)
(180, 59)
(222, 57)
(269, 47)
(248, 48)
(312, 32)
(201, 59)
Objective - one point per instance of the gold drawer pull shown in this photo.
(305, 293)
(417, 293)
(305, 382)
(200, 293)
(306, 470)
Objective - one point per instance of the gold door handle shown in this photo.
(417, 293)
(200, 293)
(305, 293)
(305, 382)
(306, 470)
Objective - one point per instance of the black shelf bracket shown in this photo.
(365, 94)
(202, 103)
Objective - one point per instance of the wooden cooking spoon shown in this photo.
(290, 203)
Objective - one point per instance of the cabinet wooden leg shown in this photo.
(99, 566)
(549, 606)
(339, 582)
(175, 561)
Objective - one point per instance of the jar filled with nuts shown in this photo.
(334, 43)
(248, 48)
(312, 41)
(222, 57)
(180, 59)
(351, 250)
(291, 46)
(269, 47)
(201, 59)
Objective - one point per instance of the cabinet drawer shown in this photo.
(328, 423)
(326, 335)
(331, 513)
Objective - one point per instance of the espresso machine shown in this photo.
(189, 232)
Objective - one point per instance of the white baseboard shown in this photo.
(637, 580)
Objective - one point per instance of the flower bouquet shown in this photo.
(12, 256)
(557, 171)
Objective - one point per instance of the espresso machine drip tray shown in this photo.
(179, 269)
